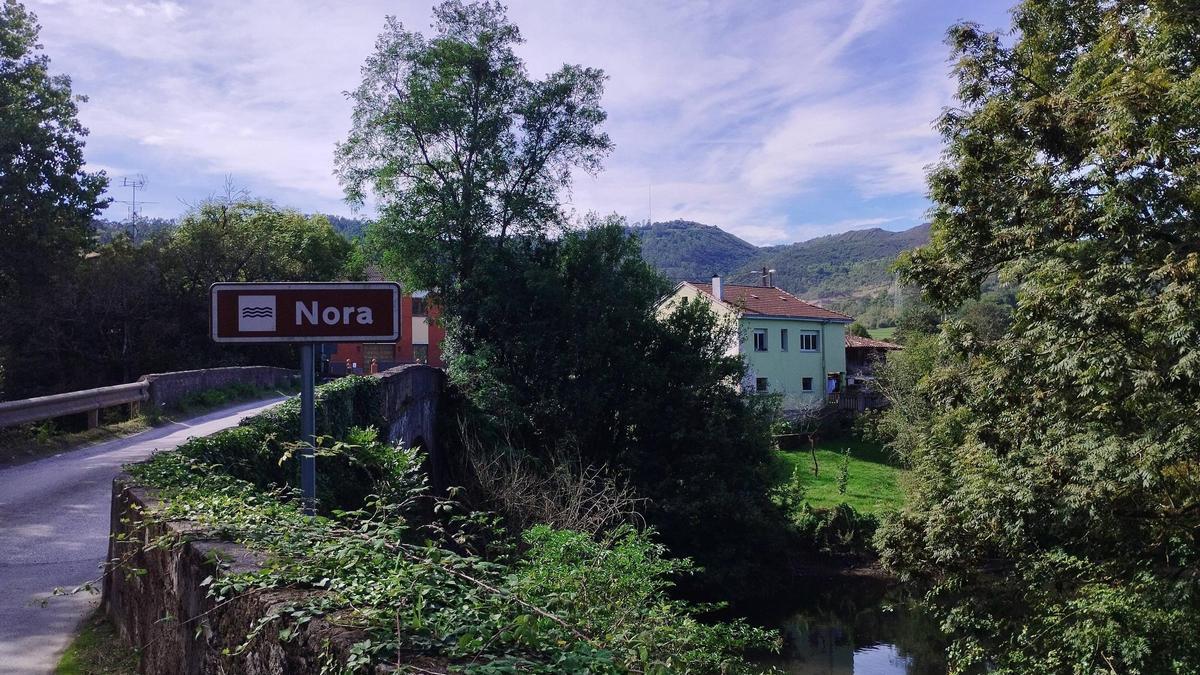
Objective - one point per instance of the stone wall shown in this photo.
(163, 609)
(410, 396)
(168, 389)
(165, 612)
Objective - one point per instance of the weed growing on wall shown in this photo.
(565, 603)
(422, 577)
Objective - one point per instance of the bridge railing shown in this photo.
(159, 391)
(89, 401)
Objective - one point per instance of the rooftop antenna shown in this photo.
(650, 204)
(134, 183)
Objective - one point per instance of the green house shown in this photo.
(791, 347)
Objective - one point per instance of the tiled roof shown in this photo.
(856, 341)
(772, 301)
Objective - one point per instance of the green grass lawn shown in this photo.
(883, 333)
(873, 484)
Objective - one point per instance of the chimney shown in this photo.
(716, 287)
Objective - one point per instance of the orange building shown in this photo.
(420, 341)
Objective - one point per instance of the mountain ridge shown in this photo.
(847, 271)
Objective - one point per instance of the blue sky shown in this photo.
(777, 121)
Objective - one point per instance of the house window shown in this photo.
(418, 306)
(806, 384)
(421, 353)
(760, 385)
(809, 341)
(760, 339)
(783, 341)
(383, 352)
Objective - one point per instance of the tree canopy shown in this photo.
(1056, 503)
(461, 147)
(47, 200)
(135, 307)
(573, 360)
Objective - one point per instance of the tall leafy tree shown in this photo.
(462, 148)
(553, 332)
(239, 238)
(47, 200)
(1057, 500)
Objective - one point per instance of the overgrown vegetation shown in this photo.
(423, 576)
(33, 441)
(838, 510)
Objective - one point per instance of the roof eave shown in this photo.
(780, 317)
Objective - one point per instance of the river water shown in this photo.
(856, 627)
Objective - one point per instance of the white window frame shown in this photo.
(806, 381)
(805, 336)
(755, 341)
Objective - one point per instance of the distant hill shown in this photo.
(847, 271)
(107, 230)
(682, 249)
(840, 266)
(351, 228)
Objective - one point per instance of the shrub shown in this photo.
(838, 531)
(568, 603)
(344, 403)
(262, 450)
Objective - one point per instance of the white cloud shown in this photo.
(732, 111)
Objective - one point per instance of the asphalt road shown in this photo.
(54, 517)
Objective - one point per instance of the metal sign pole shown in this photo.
(308, 431)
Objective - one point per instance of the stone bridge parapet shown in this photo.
(409, 405)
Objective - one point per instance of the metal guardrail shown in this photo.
(86, 401)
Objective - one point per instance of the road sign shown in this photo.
(306, 312)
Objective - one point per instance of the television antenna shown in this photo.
(134, 183)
